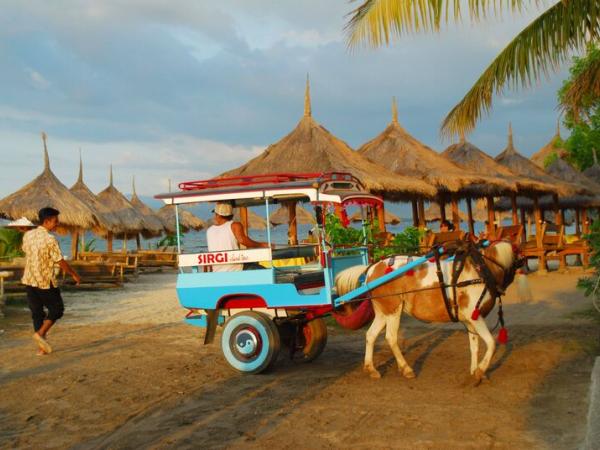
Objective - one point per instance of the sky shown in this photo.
(186, 89)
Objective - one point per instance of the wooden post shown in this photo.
(515, 212)
(455, 216)
(74, 244)
(244, 218)
(124, 248)
(421, 204)
(584, 221)
(557, 213)
(109, 242)
(138, 242)
(381, 217)
(538, 235)
(442, 204)
(470, 217)
(292, 223)
(491, 218)
(415, 213)
(577, 221)
(523, 224)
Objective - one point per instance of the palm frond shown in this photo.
(375, 22)
(537, 50)
(583, 87)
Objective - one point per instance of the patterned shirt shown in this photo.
(42, 253)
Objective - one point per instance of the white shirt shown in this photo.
(221, 238)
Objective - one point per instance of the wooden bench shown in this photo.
(442, 237)
(127, 263)
(157, 258)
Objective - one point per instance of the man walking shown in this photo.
(42, 254)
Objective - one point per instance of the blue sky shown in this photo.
(187, 89)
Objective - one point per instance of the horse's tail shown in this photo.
(349, 279)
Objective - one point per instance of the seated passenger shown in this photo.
(446, 225)
(227, 235)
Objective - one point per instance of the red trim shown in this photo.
(248, 180)
(241, 301)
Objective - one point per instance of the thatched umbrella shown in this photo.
(187, 220)
(389, 217)
(467, 155)
(129, 218)
(255, 222)
(310, 148)
(593, 172)
(153, 225)
(281, 214)
(551, 148)
(432, 213)
(481, 213)
(397, 150)
(47, 190)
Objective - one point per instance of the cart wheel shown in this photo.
(314, 337)
(250, 342)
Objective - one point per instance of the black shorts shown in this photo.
(45, 304)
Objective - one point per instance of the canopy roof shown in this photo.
(312, 148)
(280, 216)
(47, 190)
(397, 150)
(552, 147)
(389, 217)
(520, 165)
(153, 225)
(117, 203)
(470, 157)
(107, 221)
(187, 220)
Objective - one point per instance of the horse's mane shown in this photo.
(349, 279)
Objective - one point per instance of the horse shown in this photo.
(463, 288)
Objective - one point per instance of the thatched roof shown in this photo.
(117, 203)
(550, 148)
(187, 220)
(566, 172)
(107, 221)
(520, 165)
(255, 222)
(280, 216)
(310, 148)
(593, 172)
(470, 157)
(480, 212)
(389, 217)
(153, 225)
(432, 213)
(47, 190)
(400, 152)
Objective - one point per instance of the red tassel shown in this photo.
(475, 314)
(409, 273)
(503, 336)
(431, 259)
(388, 269)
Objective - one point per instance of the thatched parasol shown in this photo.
(310, 148)
(564, 171)
(47, 190)
(280, 216)
(397, 150)
(255, 222)
(390, 218)
(117, 203)
(107, 221)
(481, 214)
(187, 220)
(153, 225)
(551, 148)
(593, 172)
(432, 213)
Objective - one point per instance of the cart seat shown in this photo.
(309, 280)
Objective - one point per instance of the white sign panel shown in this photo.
(228, 257)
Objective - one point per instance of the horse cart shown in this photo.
(275, 306)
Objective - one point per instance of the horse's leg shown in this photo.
(372, 333)
(391, 336)
(473, 345)
(483, 331)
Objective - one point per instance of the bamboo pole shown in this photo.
(74, 244)
(138, 242)
(515, 212)
(421, 204)
(244, 218)
(470, 217)
(292, 223)
(381, 217)
(415, 213)
(442, 204)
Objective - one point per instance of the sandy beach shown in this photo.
(127, 373)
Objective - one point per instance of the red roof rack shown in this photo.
(248, 180)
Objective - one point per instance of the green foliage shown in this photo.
(407, 242)
(10, 243)
(582, 74)
(90, 246)
(170, 240)
(549, 160)
(591, 285)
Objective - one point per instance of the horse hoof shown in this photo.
(407, 372)
(374, 374)
(479, 377)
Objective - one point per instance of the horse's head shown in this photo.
(505, 256)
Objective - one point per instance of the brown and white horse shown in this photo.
(420, 295)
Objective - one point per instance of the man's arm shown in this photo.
(65, 267)
(242, 237)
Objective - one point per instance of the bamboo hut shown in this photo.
(389, 217)
(187, 220)
(396, 149)
(311, 148)
(47, 190)
(280, 216)
(551, 148)
(433, 214)
(152, 224)
(130, 220)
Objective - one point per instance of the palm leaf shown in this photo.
(540, 48)
(584, 87)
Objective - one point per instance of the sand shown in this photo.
(127, 373)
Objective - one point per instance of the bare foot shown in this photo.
(41, 352)
(42, 343)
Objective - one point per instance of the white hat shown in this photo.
(22, 222)
(223, 209)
